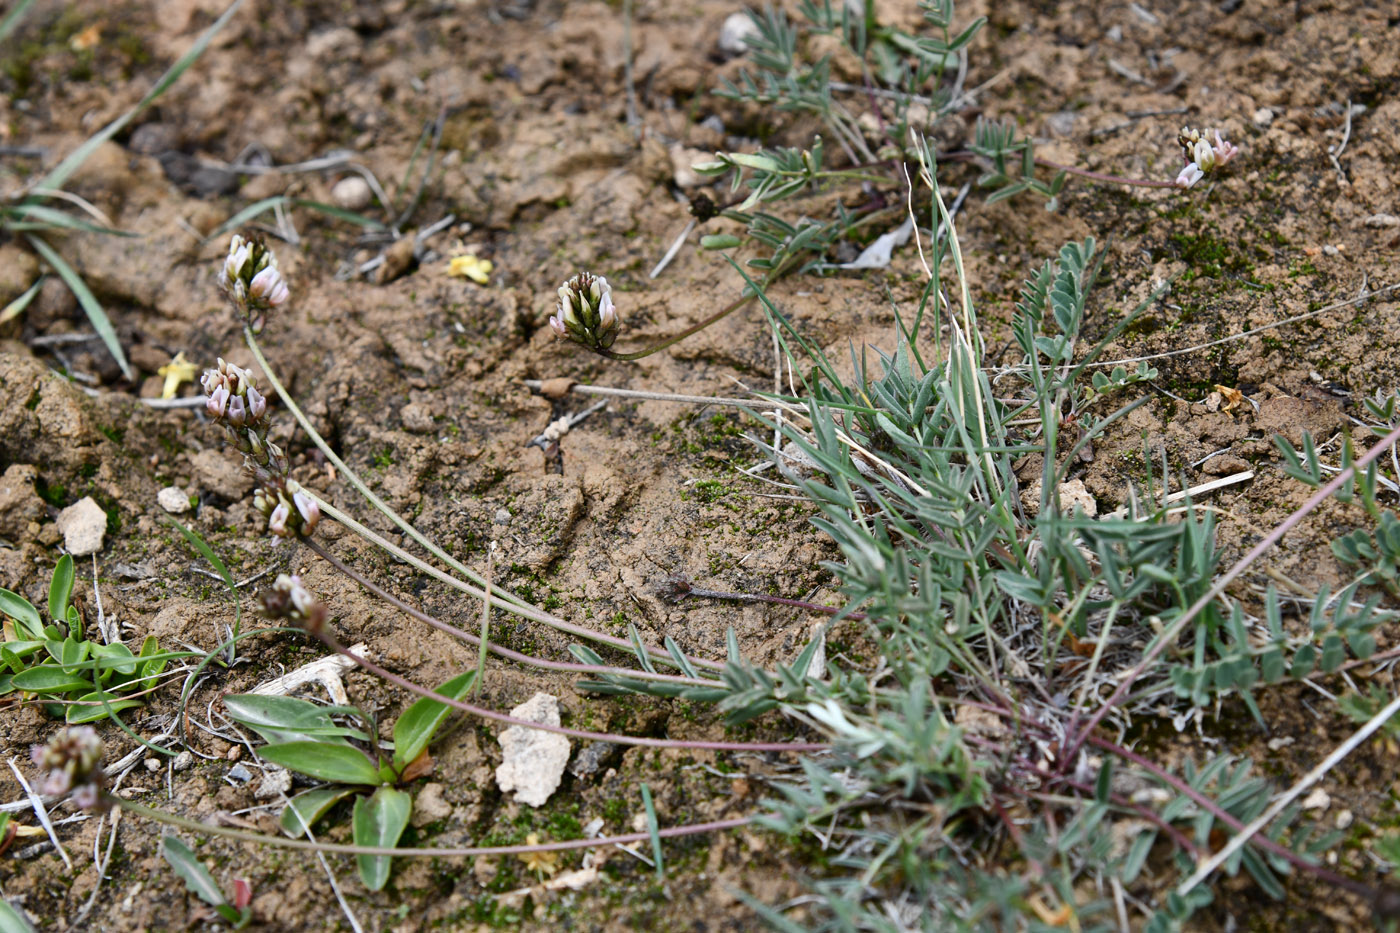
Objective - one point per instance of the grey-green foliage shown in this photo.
(911, 72)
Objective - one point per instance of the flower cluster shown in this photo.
(73, 762)
(290, 510)
(233, 400)
(586, 314)
(288, 599)
(251, 280)
(1200, 156)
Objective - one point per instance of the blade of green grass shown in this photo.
(15, 308)
(12, 18)
(282, 200)
(100, 322)
(77, 157)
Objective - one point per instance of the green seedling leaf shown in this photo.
(303, 810)
(114, 657)
(11, 920)
(152, 668)
(720, 241)
(90, 707)
(13, 653)
(27, 622)
(326, 761)
(379, 820)
(48, 679)
(287, 719)
(415, 728)
(198, 880)
(61, 587)
(91, 306)
(69, 653)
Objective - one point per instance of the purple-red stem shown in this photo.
(1263, 842)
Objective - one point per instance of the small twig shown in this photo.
(558, 428)
(1250, 333)
(37, 804)
(1194, 491)
(671, 253)
(584, 389)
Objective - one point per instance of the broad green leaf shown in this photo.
(379, 820)
(287, 719)
(27, 622)
(90, 707)
(61, 587)
(13, 653)
(303, 810)
(12, 921)
(91, 306)
(69, 653)
(114, 657)
(48, 679)
(326, 761)
(415, 728)
(198, 880)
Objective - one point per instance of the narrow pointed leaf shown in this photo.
(415, 728)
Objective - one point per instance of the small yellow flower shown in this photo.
(470, 267)
(542, 862)
(177, 372)
(86, 39)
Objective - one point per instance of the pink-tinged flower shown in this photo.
(237, 414)
(558, 326)
(72, 760)
(277, 521)
(1189, 176)
(1224, 150)
(217, 403)
(239, 252)
(210, 381)
(257, 405)
(268, 288)
(309, 510)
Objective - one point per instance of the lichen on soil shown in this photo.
(417, 379)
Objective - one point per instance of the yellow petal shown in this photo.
(470, 267)
(177, 372)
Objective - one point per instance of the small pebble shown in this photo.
(352, 193)
(234, 753)
(173, 500)
(737, 27)
(1263, 117)
(1317, 800)
(152, 764)
(240, 774)
(1382, 220)
(1281, 742)
(1331, 250)
(1344, 819)
(183, 761)
(275, 783)
(502, 517)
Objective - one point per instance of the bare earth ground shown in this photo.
(417, 382)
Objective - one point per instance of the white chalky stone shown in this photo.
(534, 760)
(84, 526)
(173, 500)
